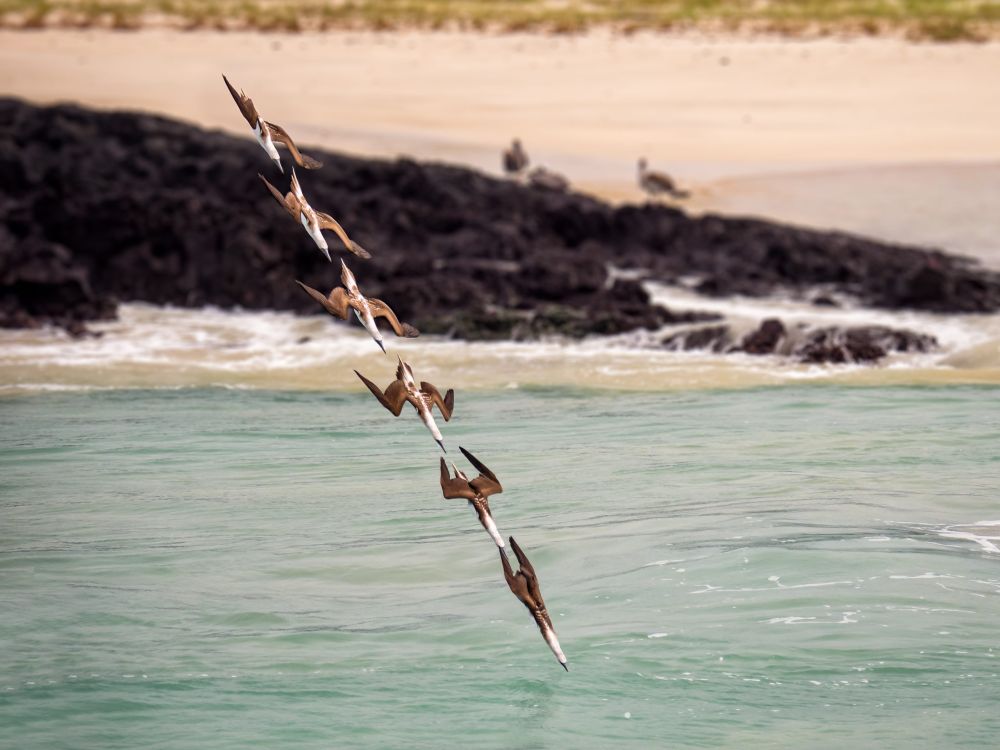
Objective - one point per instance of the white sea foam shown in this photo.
(985, 534)
(150, 347)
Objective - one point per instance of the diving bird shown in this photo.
(655, 183)
(267, 132)
(313, 221)
(546, 178)
(474, 490)
(341, 300)
(524, 585)
(404, 388)
(515, 159)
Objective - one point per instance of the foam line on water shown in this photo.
(151, 347)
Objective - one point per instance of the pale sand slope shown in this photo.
(755, 125)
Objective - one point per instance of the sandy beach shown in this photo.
(588, 104)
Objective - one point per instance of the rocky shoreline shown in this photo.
(102, 207)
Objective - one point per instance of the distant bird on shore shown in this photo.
(313, 221)
(404, 388)
(268, 133)
(341, 300)
(515, 159)
(474, 490)
(524, 585)
(657, 183)
(545, 178)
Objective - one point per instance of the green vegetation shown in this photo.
(938, 20)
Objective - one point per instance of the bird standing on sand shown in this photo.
(474, 490)
(515, 159)
(524, 585)
(404, 388)
(655, 183)
(267, 132)
(313, 221)
(341, 300)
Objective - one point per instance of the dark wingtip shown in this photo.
(564, 666)
(381, 346)
(441, 443)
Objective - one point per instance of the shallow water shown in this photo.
(781, 567)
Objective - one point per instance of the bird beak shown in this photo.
(441, 443)
(564, 665)
(381, 346)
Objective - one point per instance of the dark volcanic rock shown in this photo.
(860, 344)
(134, 207)
(766, 338)
(709, 338)
(41, 283)
(828, 345)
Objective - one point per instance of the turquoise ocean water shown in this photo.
(770, 567)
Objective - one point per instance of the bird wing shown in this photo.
(517, 582)
(444, 405)
(528, 572)
(514, 583)
(393, 398)
(328, 222)
(454, 487)
(336, 304)
(486, 483)
(289, 202)
(522, 558)
(380, 309)
(279, 134)
(245, 103)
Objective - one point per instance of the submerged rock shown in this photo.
(136, 207)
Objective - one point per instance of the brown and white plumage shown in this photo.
(342, 299)
(268, 133)
(476, 491)
(658, 183)
(313, 221)
(515, 159)
(422, 397)
(524, 585)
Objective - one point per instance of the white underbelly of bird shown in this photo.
(493, 531)
(266, 143)
(369, 323)
(314, 232)
(428, 418)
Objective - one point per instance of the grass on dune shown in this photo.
(939, 20)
